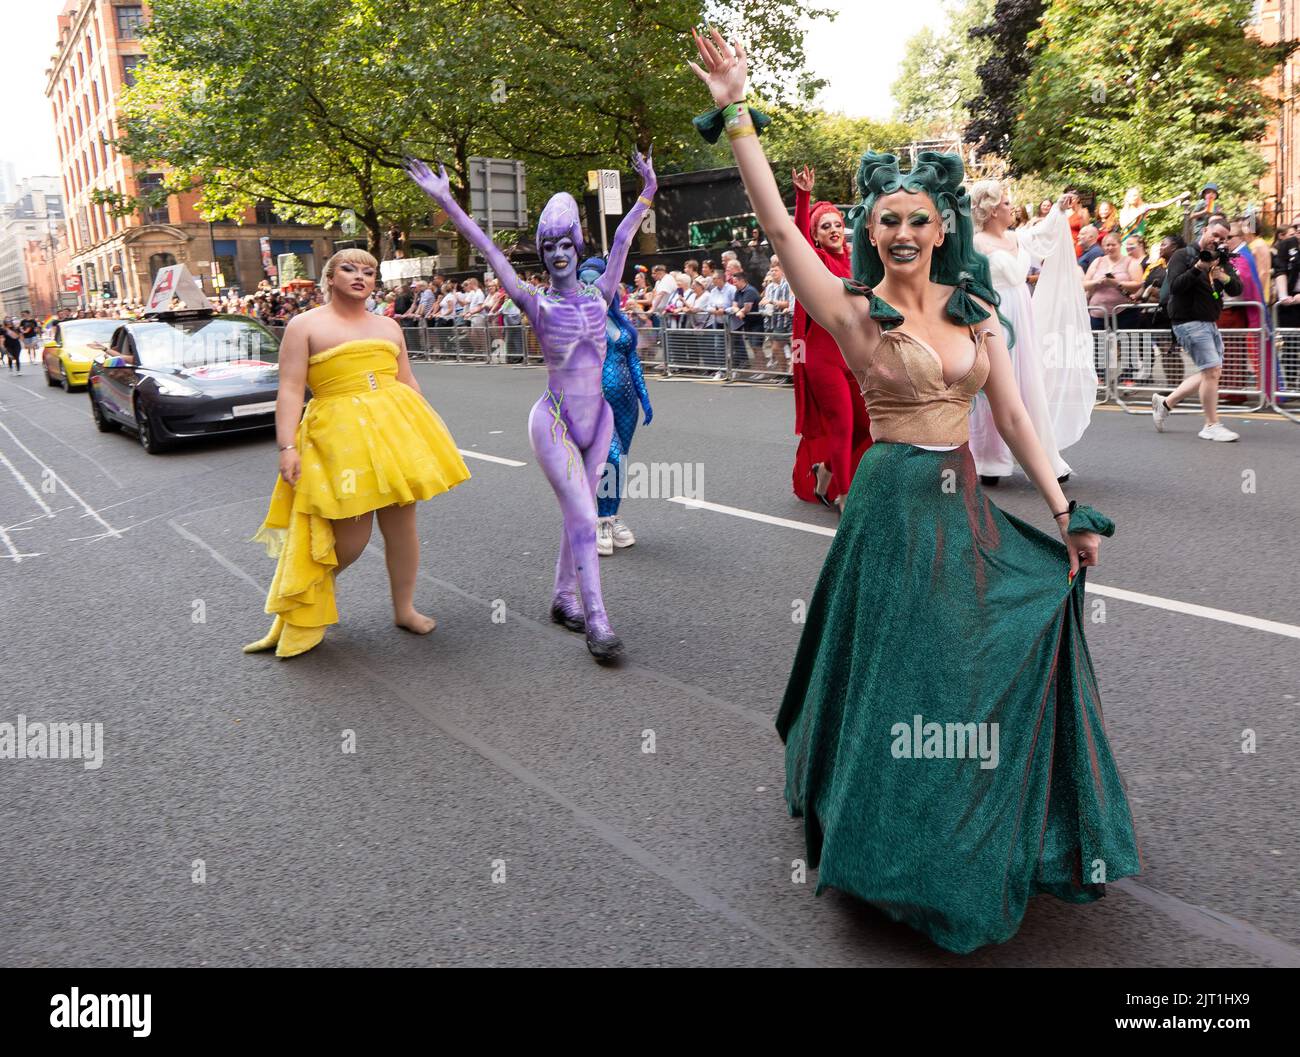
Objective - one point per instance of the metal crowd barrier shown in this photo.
(1283, 374)
(1133, 354)
(1147, 359)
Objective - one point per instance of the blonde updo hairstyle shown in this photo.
(985, 196)
(352, 256)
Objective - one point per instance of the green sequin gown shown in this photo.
(934, 607)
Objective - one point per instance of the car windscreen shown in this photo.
(76, 336)
(200, 342)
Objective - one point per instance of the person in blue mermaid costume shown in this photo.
(626, 394)
(944, 741)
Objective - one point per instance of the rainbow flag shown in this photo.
(50, 320)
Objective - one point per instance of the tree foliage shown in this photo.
(1161, 95)
(938, 74)
(312, 104)
(1002, 72)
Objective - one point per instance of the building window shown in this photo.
(129, 63)
(226, 255)
(157, 263)
(302, 247)
(130, 20)
(150, 182)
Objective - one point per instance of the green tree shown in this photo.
(830, 143)
(938, 74)
(1159, 95)
(312, 105)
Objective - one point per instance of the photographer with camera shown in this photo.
(1197, 279)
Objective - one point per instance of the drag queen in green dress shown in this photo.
(942, 724)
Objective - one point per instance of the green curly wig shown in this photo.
(956, 262)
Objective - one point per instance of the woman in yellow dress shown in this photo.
(368, 443)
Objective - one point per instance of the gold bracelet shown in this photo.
(744, 130)
(645, 201)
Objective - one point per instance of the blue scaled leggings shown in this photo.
(625, 392)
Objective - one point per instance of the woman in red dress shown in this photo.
(830, 416)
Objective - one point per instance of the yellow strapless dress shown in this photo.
(366, 442)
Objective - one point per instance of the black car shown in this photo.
(186, 374)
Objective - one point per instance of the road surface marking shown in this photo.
(27, 486)
(751, 515)
(29, 392)
(490, 458)
(90, 510)
(1224, 616)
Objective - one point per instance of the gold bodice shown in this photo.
(906, 395)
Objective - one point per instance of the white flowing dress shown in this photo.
(1052, 356)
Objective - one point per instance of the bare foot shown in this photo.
(416, 623)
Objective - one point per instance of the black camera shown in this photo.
(1220, 255)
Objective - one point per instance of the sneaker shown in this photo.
(1218, 431)
(621, 533)
(1159, 412)
(720, 376)
(604, 537)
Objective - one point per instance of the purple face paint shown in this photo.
(569, 428)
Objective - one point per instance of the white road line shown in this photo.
(14, 553)
(29, 392)
(490, 458)
(83, 454)
(219, 558)
(751, 515)
(1224, 616)
(90, 510)
(27, 486)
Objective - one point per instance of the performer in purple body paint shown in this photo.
(570, 426)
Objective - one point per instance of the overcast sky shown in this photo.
(859, 53)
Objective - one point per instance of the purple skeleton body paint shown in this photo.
(569, 428)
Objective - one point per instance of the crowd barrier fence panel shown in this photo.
(1148, 360)
(1284, 370)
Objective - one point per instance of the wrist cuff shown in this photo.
(1086, 519)
(711, 123)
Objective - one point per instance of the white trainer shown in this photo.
(1158, 412)
(604, 537)
(1218, 431)
(622, 534)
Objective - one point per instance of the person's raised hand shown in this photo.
(723, 67)
(435, 185)
(645, 167)
(804, 179)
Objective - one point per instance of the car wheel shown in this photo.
(67, 385)
(147, 434)
(50, 380)
(102, 421)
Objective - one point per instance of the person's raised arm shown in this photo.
(437, 187)
(608, 282)
(1153, 206)
(822, 294)
(803, 186)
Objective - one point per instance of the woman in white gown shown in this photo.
(1053, 351)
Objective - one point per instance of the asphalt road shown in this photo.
(497, 747)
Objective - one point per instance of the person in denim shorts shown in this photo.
(1197, 283)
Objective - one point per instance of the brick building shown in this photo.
(98, 49)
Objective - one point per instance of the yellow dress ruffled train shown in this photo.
(366, 441)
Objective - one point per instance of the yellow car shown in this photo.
(70, 352)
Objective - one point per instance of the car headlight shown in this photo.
(175, 387)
